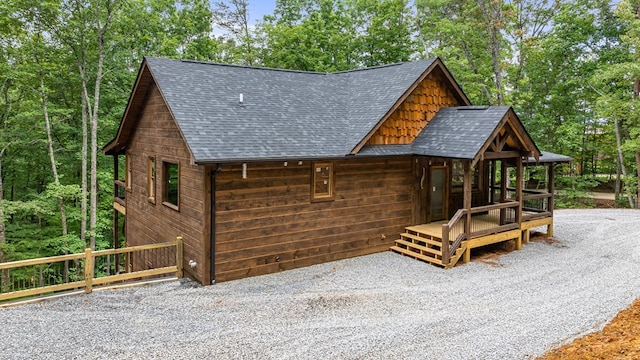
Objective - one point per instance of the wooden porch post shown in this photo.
(467, 197)
(492, 181)
(551, 188)
(116, 236)
(504, 178)
(519, 185)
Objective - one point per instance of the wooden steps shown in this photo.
(417, 246)
(417, 255)
(417, 238)
(421, 243)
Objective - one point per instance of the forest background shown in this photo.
(571, 70)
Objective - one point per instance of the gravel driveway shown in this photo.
(382, 306)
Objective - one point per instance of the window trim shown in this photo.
(165, 187)
(329, 195)
(128, 170)
(152, 171)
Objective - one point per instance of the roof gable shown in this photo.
(135, 103)
(467, 133)
(425, 67)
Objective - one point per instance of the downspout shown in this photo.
(212, 229)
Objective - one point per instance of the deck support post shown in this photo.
(467, 206)
(519, 186)
(467, 198)
(116, 238)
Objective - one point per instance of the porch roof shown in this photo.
(466, 132)
(549, 157)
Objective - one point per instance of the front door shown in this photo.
(437, 193)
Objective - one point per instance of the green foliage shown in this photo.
(569, 73)
(575, 191)
(334, 35)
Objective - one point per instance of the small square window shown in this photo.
(171, 180)
(151, 179)
(322, 181)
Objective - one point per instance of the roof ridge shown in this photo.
(382, 66)
(247, 66)
(369, 68)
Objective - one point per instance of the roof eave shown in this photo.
(117, 144)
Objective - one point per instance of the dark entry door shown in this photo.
(437, 193)
(421, 188)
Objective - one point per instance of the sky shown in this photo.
(259, 8)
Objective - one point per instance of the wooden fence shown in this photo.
(85, 276)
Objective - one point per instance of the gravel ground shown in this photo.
(382, 306)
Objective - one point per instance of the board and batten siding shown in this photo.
(268, 223)
(157, 135)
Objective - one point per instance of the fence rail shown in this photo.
(33, 282)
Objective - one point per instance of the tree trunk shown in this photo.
(4, 274)
(638, 174)
(623, 168)
(94, 146)
(83, 186)
(54, 171)
(636, 94)
(492, 15)
(617, 190)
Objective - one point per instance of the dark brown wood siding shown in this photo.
(268, 222)
(156, 134)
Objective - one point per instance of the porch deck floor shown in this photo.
(478, 223)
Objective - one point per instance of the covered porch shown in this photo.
(497, 188)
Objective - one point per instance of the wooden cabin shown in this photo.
(262, 170)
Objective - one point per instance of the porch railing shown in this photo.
(477, 222)
(26, 278)
(120, 192)
(535, 203)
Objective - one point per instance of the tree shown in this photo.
(454, 30)
(233, 17)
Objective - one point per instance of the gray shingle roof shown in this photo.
(385, 150)
(459, 132)
(285, 114)
(549, 157)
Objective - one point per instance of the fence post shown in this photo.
(179, 272)
(88, 271)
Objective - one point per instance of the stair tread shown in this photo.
(419, 247)
(417, 255)
(416, 237)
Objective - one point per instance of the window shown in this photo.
(322, 177)
(151, 179)
(171, 175)
(457, 176)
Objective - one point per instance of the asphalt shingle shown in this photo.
(285, 114)
(458, 132)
